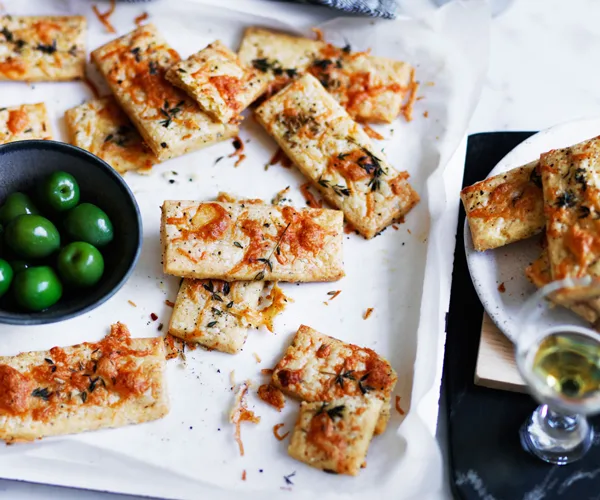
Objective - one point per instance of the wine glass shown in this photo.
(558, 356)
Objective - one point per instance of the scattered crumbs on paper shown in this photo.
(325, 302)
(232, 377)
(429, 84)
(132, 303)
(257, 357)
(175, 347)
(244, 475)
(218, 160)
(160, 327)
(373, 134)
(501, 287)
(420, 98)
(398, 409)
(279, 157)
(309, 197)
(409, 232)
(141, 18)
(153, 317)
(280, 437)
(169, 303)
(238, 144)
(368, 313)
(288, 478)
(395, 227)
(240, 413)
(333, 294)
(426, 114)
(267, 371)
(103, 17)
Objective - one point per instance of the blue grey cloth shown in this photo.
(375, 8)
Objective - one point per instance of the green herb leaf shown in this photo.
(42, 393)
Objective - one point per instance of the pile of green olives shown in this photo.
(38, 260)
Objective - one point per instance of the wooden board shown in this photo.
(496, 366)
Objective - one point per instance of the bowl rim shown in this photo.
(25, 318)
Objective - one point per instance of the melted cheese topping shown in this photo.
(335, 435)
(571, 181)
(336, 154)
(169, 121)
(272, 396)
(100, 127)
(218, 81)
(319, 368)
(28, 121)
(246, 241)
(216, 314)
(505, 208)
(372, 89)
(42, 48)
(71, 389)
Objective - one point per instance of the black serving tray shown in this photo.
(486, 461)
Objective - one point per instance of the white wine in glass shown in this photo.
(560, 362)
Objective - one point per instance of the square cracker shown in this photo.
(216, 314)
(337, 156)
(251, 241)
(170, 122)
(539, 274)
(42, 48)
(216, 79)
(27, 121)
(505, 208)
(67, 390)
(571, 185)
(316, 367)
(100, 127)
(335, 435)
(372, 89)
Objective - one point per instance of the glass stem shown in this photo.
(560, 421)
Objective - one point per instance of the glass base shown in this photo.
(555, 438)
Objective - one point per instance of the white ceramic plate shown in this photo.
(507, 264)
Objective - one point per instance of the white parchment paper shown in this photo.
(403, 274)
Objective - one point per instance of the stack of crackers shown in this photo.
(558, 195)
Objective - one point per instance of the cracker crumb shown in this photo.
(276, 432)
(169, 303)
(257, 357)
(368, 313)
(398, 409)
(240, 413)
(272, 396)
(140, 19)
(132, 303)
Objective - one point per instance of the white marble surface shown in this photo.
(543, 70)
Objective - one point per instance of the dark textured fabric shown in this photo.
(374, 8)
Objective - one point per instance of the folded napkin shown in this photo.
(376, 8)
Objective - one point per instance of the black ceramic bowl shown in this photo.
(22, 165)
